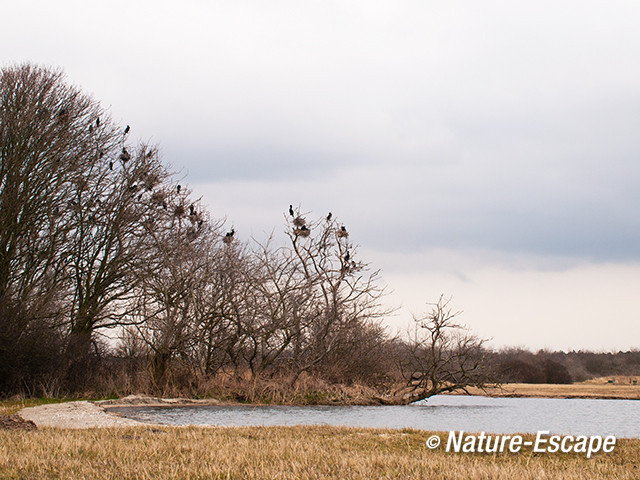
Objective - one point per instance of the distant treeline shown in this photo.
(519, 365)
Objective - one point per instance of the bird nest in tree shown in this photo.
(227, 239)
(150, 181)
(302, 232)
(157, 197)
(299, 221)
(179, 211)
(192, 233)
(342, 233)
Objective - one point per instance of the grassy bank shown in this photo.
(284, 453)
(7, 407)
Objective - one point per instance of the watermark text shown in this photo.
(461, 442)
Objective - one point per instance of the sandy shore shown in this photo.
(82, 414)
(85, 414)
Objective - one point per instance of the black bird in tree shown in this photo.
(110, 165)
(178, 188)
(291, 210)
(228, 238)
(126, 130)
(329, 217)
(125, 156)
(192, 211)
(343, 228)
(97, 122)
(347, 256)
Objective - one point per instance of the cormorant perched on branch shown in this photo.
(126, 130)
(329, 217)
(229, 237)
(342, 233)
(110, 165)
(178, 188)
(302, 231)
(347, 256)
(291, 210)
(98, 122)
(124, 156)
(192, 210)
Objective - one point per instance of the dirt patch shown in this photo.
(16, 422)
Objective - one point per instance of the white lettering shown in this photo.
(609, 444)
(452, 441)
(540, 440)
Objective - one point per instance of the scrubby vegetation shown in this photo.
(114, 279)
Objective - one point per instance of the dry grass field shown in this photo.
(283, 453)
(623, 387)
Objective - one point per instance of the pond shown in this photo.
(443, 412)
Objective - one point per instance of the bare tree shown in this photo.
(112, 213)
(279, 303)
(442, 356)
(222, 305)
(172, 281)
(75, 205)
(45, 146)
(344, 293)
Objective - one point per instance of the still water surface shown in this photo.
(443, 412)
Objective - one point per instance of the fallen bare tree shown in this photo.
(443, 356)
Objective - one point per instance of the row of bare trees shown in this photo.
(98, 242)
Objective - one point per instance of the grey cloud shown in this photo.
(494, 125)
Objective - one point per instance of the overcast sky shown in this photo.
(485, 150)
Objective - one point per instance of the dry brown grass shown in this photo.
(623, 388)
(283, 453)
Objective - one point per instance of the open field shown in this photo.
(622, 388)
(284, 453)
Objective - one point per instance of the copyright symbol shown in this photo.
(433, 442)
